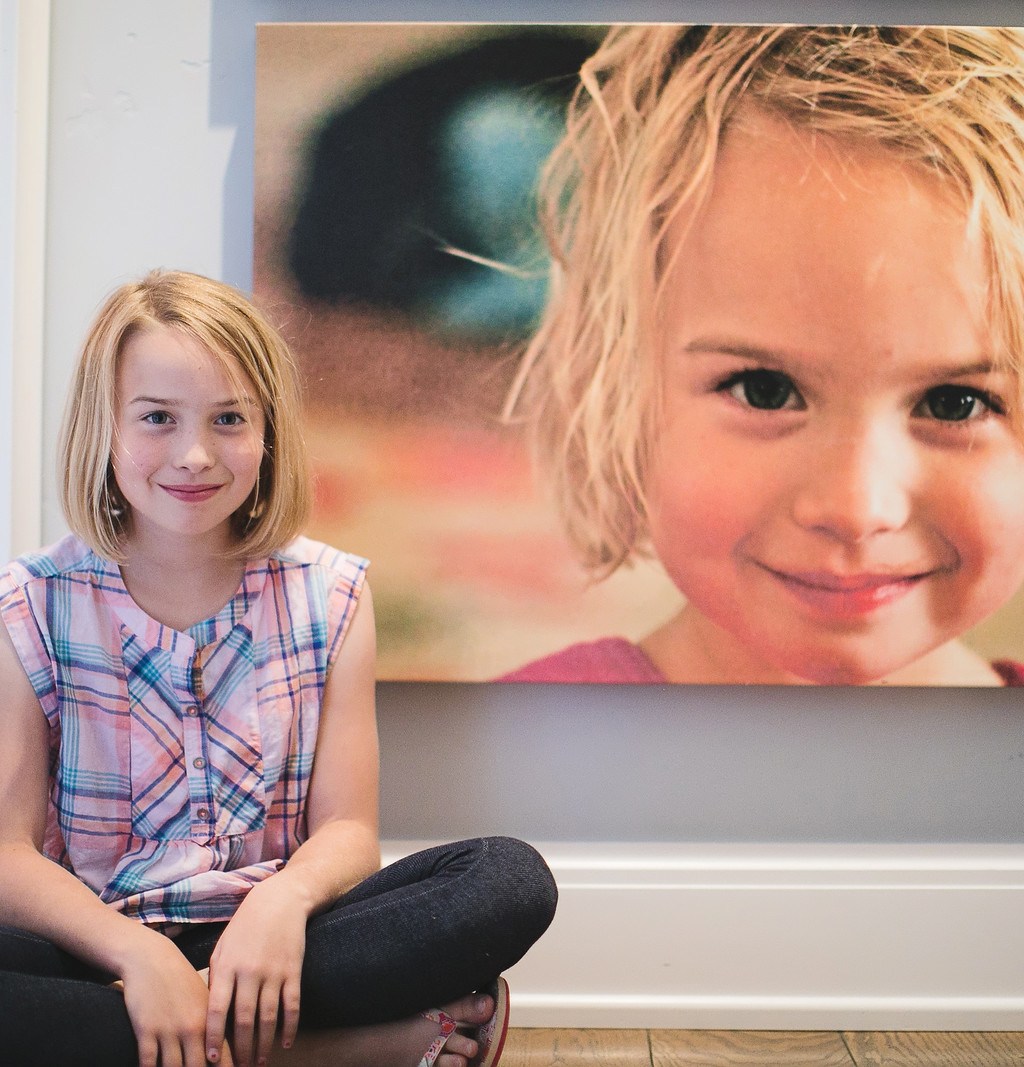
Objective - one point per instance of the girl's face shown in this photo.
(836, 488)
(188, 441)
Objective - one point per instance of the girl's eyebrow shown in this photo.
(167, 403)
(162, 401)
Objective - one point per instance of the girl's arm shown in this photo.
(258, 961)
(165, 998)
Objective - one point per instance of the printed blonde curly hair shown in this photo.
(643, 133)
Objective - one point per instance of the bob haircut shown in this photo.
(225, 323)
(643, 132)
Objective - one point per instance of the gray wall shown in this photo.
(150, 164)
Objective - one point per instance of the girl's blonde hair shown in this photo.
(225, 323)
(643, 132)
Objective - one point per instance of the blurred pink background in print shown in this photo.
(414, 467)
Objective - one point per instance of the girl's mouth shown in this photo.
(191, 494)
(847, 595)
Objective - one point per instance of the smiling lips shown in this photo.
(847, 596)
(191, 494)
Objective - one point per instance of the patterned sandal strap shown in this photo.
(491, 1035)
(448, 1026)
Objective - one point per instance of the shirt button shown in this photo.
(192, 711)
(203, 813)
(199, 763)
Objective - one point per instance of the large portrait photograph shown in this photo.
(657, 353)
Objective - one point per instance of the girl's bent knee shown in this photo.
(526, 881)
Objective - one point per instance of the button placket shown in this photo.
(200, 788)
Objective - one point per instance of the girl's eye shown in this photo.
(230, 418)
(958, 403)
(765, 390)
(156, 418)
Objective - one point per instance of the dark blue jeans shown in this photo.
(423, 931)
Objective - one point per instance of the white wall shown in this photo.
(24, 70)
(149, 163)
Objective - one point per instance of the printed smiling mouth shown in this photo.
(848, 595)
(828, 582)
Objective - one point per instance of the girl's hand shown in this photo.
(256, 970)
(166, 1001)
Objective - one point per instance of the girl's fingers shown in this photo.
(270, 999)
(217, 1018)
(148, 1051)
(222, 989)
(170, 1052)
(245, 1007)
(195, 1051)
(290, 1007)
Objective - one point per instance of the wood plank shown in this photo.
(733, 1048)
(910, 1049)
(547, 1047)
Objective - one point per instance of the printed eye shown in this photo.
(765, 390)
(230, 418)
(958, 403)
(156, 418)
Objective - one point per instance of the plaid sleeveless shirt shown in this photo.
(179, 761)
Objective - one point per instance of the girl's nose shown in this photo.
(855, 486)
(195, 455)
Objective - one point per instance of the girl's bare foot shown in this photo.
(397, 1044)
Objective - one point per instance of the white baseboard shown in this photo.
(832, 937)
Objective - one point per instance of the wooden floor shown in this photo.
(714, 1048)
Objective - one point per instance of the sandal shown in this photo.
(448, 1027)
(490, 1036)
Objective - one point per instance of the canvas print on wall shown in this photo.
(695, 374)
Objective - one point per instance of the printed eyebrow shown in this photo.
(712, 346)
(965, 370)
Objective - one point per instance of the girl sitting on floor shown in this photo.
(188, 749)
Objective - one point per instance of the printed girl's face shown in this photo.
(836, 489)
(188, 440)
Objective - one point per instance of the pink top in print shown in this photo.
(180, 761)
(616, 660)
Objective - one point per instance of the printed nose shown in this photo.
(855, 487)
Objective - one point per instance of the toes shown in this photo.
(457, 1052)
(472, 1010)
(460, 1045)
(447, 1059)
(483, 1008)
